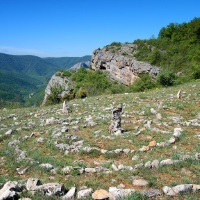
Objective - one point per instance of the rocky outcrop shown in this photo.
(57, 80)
(120, 63)
(61, 81)
(80, 65)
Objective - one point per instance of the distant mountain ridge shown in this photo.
(36, 67)
(21, 75)
(67, 62)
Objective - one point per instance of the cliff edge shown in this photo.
(118, 60)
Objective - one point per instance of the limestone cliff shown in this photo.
(57, 80)
(119, 61)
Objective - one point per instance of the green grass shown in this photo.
(47, 152)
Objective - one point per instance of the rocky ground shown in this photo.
(48, 154)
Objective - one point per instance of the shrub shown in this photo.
(117, 44)
(196, 73)
(81, 93)
(54, 97)
(166, 78)
(144, 83)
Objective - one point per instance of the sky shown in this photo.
(74, 28)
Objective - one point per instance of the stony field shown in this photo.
(48, 154)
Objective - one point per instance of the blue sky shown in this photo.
(63, 28)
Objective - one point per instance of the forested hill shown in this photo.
(27, 74)
(29, 65)
(67, 62)
(176, 48)
(36, 67)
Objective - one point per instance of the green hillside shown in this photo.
(15, 87)
(29, 65)
(177, 48)
(67, 62)
(21, 75)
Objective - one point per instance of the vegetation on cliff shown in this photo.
(177, 48)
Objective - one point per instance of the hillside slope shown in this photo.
(21, 75)
(67, 62)
(157, 155)
(32, 66)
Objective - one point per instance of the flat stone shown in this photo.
(166, 162)
(100, 194)
(155, 163)
(182, 188)
(168, 191)
(177, 132)
(151, 193)
(84, 193)
(90, 170)
(118, 194)
(51, 189)
(172, 140)
(32, 183)
(144, 148)
(140, 182)
(152, 143)
(9, 190)
(70, 194)
(196, 187)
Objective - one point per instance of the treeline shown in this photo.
(177, 48)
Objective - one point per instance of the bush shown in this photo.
(54, 97)
(144, 83)
(81, 93)
(196, 74)
(166, 78)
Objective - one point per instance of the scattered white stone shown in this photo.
(84, 193)
(100, 194)
(166, 162)
(9, 190)
(114, 167)
(140, 182)
(32, 183)
(90, 170)
(177, 132)
(182, 188)
(155, 163)
(40, 140)
(126, 151)
(135, 157)
(172, 140)
(67, 169)
(46, 165)
(50, 121)
(51, 189)
(116, 194)
(9, 132)
(196, 187)
(70, 194)
(153, 111)
(168, 191)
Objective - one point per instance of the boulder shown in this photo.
(100, 194)
(9, 190)
(70, 194)
(84, 193)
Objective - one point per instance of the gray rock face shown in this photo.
(121, 66)
(56, 81)
(80, 65)
(9, 190)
